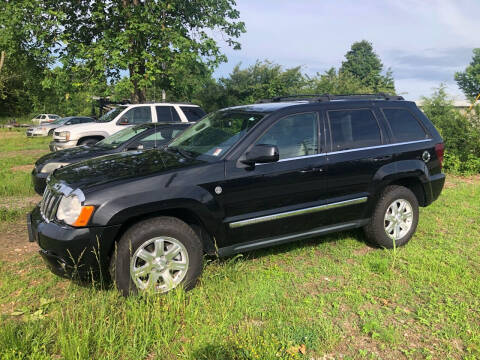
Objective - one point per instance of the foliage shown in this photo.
(156, 41)
(460, 132)
(469, 80)
(363, 64)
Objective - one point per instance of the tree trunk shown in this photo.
(136, 72)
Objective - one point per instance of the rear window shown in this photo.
(404, 125)
(167, 114)
(352, 129)
(192, 113)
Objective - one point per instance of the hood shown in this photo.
(121, 166)
(74, 155)
(80, 127)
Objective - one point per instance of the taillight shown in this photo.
(440, 149)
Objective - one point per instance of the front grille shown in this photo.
(57, 133)
(49, 204)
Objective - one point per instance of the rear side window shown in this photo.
(352, 129)
(167, 114)
(404, 125)
(192, 113)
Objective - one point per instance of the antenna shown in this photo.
(155, 137)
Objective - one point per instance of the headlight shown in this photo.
(71, 211)
(65, 134)
(48, 168)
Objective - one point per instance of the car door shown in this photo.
(356, 152)
(274, 199)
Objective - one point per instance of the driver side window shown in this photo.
(138, 115)
(294, 135)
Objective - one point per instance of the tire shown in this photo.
(88, 142)
(50, 133)
(392, 210)
(161, 273)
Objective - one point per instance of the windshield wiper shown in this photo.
(182, 152)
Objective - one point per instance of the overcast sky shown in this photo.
(423, 41)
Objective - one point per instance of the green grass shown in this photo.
(333, 295)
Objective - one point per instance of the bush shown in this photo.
(460, 132)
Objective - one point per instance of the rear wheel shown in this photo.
(394, 219)
(157, 255)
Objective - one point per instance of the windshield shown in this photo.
(60, 121)
(215, 134)
(109, 116)
(120, 137)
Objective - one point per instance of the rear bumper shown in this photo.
(433, 187)
(72, 252)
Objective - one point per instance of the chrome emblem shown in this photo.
(426, 156)
(218, 190)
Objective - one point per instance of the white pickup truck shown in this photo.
(126, 115)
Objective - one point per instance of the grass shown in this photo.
(327, 297)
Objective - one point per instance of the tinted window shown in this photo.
(138, 115)
(167, 114)
(404, 125)
(85, 120)
(294, 135)
(192, 113)
(159, 138)
(353, 129)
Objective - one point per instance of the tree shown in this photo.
(151, 39)
(363, 64)
(469, 80)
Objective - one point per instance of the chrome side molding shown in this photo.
(304, 211)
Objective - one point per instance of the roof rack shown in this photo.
(330, 97)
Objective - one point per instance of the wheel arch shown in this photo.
(85, 137)
(185, 214)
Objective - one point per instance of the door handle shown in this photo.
(382, 158)
(310, 170)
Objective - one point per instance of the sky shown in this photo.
(424, 42)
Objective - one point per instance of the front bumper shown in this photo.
(35, 134)
(72, 252)
(57, 145)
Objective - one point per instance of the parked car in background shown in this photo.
(139, 137)
(45, 118)
(240, 179)
(127, 115)
(46, 129)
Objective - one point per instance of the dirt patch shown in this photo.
(453, 180)
(22, 168)
(363, 250)
(15, 202)
(9, 154)
(14, 242)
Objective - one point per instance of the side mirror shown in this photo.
(135, 147)
(123, 121)
(261, 154)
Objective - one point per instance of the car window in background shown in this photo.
(42, 117)
(161, 137)
(138, 115)
(120, 137)
(215, 134)
(352, 129)
(193, 114)
(60, 121)
(294, 135)
(112, 114)
(404, 125)
(167, 114)
(85, 120)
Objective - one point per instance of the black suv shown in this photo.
(242, 178)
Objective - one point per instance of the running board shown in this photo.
(277, 240)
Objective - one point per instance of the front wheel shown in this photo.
(157, 255)
(394, 219)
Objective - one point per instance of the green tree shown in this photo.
(469, 80)
(363, 64)
(151, 39)
(460, 132)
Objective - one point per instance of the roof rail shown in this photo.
(330, 97)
